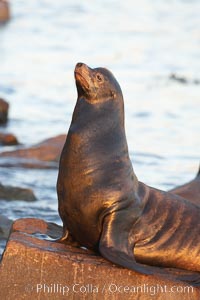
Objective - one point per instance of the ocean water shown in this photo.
(142, 43)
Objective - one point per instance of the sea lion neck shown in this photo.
(103, 137)
(87, 114)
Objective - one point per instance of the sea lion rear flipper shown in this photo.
(116, 246)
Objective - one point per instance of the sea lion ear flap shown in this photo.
(113, 94)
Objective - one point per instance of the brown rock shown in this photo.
(43, 155)
(47, 150)
(15, 193)
(34, 268)
(4, 11)
(4, 106)
(8, 139)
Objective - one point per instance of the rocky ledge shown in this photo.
(12, 193)
(35, 267)
(44, 155)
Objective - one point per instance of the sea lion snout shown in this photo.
(82, 76)
(81, 67)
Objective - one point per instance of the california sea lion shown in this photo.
(189, 190)
(102, 204)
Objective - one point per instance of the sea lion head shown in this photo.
(96, 85)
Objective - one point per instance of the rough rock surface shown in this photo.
(16, 193)
(43, 155)
(4, 106)
(35, 268)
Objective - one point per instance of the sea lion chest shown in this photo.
(93, 173)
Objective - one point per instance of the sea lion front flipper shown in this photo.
(118, 247)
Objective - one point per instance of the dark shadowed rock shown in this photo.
(34, 268)
(182, 79)
(4, 106)
(4, 11)
(43, 155)
(5, 225)
(178, 78)
(11, 193)
(8, 139)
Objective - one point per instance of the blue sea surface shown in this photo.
(143, 43)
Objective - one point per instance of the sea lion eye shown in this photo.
(99, 77)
